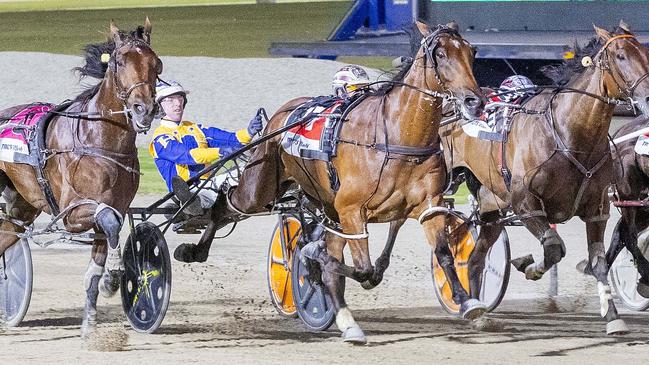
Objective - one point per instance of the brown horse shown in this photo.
(91, 165)
(632, 184)
(558, 153)
(388, 164)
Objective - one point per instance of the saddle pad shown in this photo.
(13, 139)
(642, 145)
(311, 140)
(473, 128)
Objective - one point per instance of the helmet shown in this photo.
(349, 79)
(516, 83)
(164, 89)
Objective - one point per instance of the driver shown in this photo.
(349, 82)
(181, 148)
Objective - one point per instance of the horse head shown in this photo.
(134, 68)
(624, 63)
(451, 58)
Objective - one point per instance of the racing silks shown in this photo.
(183, 149)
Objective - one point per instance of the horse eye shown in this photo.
(441, 54)
(620, 56)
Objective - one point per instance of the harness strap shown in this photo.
(408, 150)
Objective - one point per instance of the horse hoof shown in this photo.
(367, 285)
(186, 253)
(522, 262)
(616, 327)
(109, 283)
(532, 273)
(643, 289)
(354, 335)
(583, 267)
(472, 309)
(88, 328)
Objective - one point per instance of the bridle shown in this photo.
(603, 63)
(122, 92)
(430, 43)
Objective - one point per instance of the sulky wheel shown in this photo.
(624, 276)
(280, 252)
(312, 301)
(495, 276)
(146, 283)
(15, 283)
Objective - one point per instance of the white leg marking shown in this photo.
(604, 292)
(344, 319)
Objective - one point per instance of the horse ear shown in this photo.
(624, 26)
(453, 25)
(115, 34)
(602, 33)
(423, 28)
(147, 30)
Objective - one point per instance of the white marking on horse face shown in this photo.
(456, 43)
(344, 319)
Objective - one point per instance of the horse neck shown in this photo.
(115, 135)
(412, 118)
(582, 121)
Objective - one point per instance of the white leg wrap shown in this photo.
(114, 259)
(344, 319)
(93, 270)
(604, 292)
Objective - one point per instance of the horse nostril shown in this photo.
(139, 109)
(472, 102)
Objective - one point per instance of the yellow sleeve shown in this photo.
(204, 155)
(243, 136)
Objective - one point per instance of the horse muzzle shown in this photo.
(142, 116)
(472, 106)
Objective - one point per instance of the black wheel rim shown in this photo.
(313, 302)
(146, 283)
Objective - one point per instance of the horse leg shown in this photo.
(629, 235)
(599, 266)
(435, 229)
(91, 284)
(188, 252)
(383, 261)
(333, 281)
(486, 238)
(553, 248)
(18, 209)
(259, 185)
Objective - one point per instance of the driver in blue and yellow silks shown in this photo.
(183, 148)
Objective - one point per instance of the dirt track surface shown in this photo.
(220, 312)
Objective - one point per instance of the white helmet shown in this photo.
(519, 83)
(349, 79)
(164, 89)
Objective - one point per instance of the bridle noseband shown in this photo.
(603, 63)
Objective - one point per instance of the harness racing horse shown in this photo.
(89, 172)
(558, 153)
(632, 186)
(388, 164)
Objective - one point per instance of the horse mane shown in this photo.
(94, 67)
(415, 43)
(562, 73)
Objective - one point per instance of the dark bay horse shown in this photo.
(381, 179)
(632, 184)
(91, 165)
(558, 154)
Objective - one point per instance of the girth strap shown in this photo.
(408, 150)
